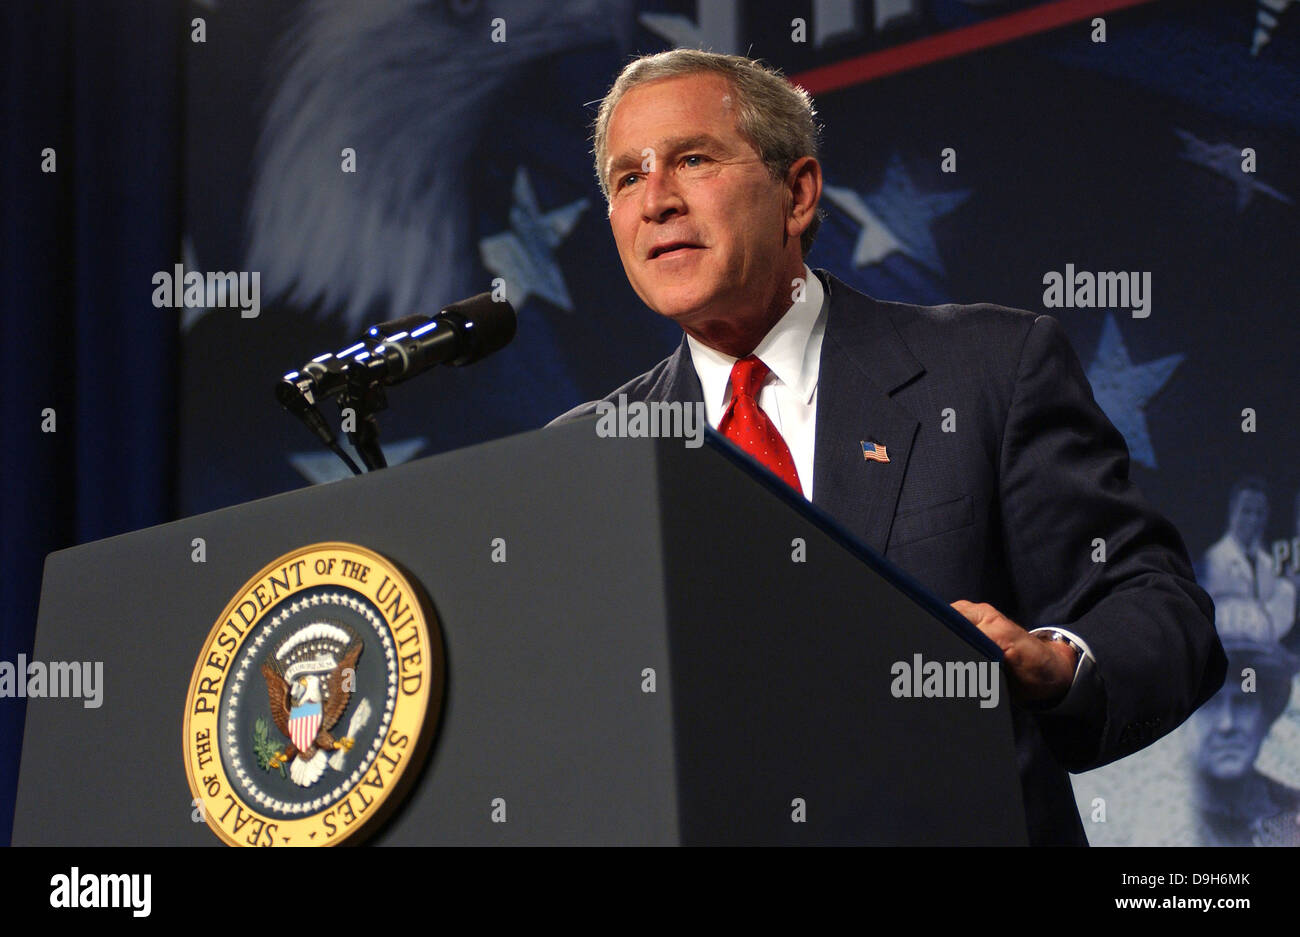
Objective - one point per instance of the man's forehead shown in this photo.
(671, 144)
(672, 117)
(1252, 497)
(682, 105)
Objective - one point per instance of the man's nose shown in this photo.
(661, 196)
(1227, 718)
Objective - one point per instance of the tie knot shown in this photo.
(747, 376)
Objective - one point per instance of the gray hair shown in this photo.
(777, 118)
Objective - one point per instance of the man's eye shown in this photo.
(629, 178)
(694, 156)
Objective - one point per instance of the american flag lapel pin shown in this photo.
(874, 452)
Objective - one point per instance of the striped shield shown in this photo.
(304, 722)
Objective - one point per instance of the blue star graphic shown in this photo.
(1225, 160)
(1122, 389)
(1266, 19)
(896, 217)
(525, 255)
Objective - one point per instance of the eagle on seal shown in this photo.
(309, 679)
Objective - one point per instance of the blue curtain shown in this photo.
(100, 85)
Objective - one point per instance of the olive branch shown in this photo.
(263, 748)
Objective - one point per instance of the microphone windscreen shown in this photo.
(488, 324)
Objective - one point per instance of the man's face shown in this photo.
(1249, 516)
(1230, 728)
(698, 219)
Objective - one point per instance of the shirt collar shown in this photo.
(791, 350)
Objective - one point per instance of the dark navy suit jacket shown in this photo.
(1004, 509)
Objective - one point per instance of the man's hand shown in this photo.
(1038, 671)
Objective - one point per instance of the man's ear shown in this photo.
(803, 184)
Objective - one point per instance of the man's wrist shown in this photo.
(1075, 700)
(1063, 646)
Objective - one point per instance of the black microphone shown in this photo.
(393, 352)
(460, 334)
(396, 351)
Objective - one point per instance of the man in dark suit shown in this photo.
(961, 442)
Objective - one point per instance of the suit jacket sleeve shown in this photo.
(1064, 483)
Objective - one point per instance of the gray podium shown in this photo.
(772, 676)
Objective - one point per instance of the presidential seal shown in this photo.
(314, 699)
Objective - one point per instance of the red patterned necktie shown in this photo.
(745, 423)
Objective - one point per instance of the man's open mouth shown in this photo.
(676, 247)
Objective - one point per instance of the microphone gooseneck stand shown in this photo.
(366, 397)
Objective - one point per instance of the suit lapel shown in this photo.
(863, 361)
(680, 382)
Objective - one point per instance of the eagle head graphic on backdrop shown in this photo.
(413, 87)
